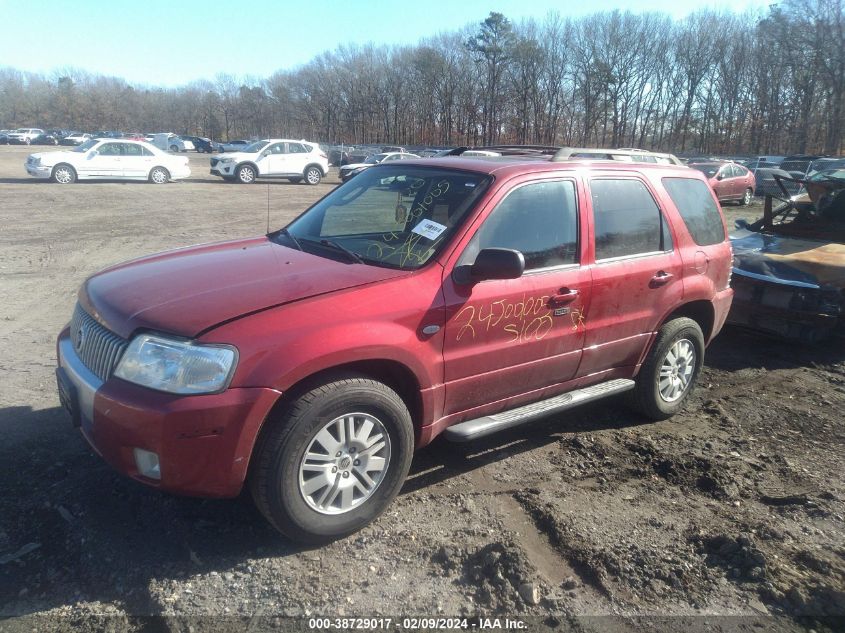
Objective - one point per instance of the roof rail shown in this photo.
(623, 155)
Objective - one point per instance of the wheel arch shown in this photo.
(701, 311)
(317, 165)
(392, 373)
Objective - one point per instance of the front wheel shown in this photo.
(174, 148)
(246, 174)
(159, 175)
(64, 174)
(333, 460)
(313, 175)
(746, 198)
(669, 373)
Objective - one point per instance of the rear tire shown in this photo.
(313, 175)
(670, 370)
(351, 435)
(174, 149)
(159, 176)
(63, 174)
(746, 197)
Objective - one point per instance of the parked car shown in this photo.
(75, 138)
(799, 165)
(202, 144)
(296, 161)
(107, 134)
(353, 169)
(110, 159)
(4, 137)
(445, 296)
(173, 142)
(24, 135)
(731, 181)
(789, 266)
(235, 146)
(45, 139)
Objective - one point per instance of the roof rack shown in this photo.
(623, 155)
(510, 150)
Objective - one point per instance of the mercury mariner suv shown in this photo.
(454, 296)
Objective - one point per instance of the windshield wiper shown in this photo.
(355, 257)
(288, 234)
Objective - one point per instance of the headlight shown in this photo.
(227, 160)
(177, 366)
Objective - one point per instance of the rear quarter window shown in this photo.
(698, 209)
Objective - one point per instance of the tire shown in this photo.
(313, 175)
(318, 509)
(174, 149)
(63, 174)
(159, 176)
(661, 400)
(746, 197)
(245, 174)
(295, 180)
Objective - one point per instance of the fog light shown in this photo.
(147, 463)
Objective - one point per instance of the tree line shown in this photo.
(713, 82)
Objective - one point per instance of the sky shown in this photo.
(175, 42)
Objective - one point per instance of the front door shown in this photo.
(104, 161)
(509, 337)
(274, 160)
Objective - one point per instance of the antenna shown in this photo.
(268, 207)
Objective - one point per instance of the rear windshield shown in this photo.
(695, 203)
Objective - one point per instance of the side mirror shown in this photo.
(720, 176)
(492, 263)
(93, 153)
(741, 223)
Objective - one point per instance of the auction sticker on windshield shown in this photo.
(429, 229)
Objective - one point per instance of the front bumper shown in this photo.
(203, 443)
(223, 169)
(39, 171)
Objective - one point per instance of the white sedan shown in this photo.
(108, 159)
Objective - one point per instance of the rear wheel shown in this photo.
(159, 176)
(746, 197)
(670, 371)
(333, 460)
(63, 174)
(313, 175)
(245, 174)
(174, 148)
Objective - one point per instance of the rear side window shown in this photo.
(697, 208)
(539, 219)
(627, 219)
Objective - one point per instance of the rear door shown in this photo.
(137, 161)
(297, 158)
(509, 337)
(636, 274)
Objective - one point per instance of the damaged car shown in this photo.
(789, 266)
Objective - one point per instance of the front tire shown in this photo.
(159, 176)
(669, 373)
(333, 460)
(246, 174)
(63, 174)
(313, 175)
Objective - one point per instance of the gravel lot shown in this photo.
(733, 508)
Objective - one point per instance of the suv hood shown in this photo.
(236, 155)
(188, 291)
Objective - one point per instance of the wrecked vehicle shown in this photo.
(789, 266)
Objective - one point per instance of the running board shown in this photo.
(489, 424)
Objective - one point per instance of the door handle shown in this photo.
(566, 296)
(661, 278)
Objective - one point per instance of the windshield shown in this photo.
(375, 158)
(392, 216)
(708, 170)
(84, 147)
(254, 148)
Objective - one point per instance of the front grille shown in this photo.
(98, 348)
(214, 162)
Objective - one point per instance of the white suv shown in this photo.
(273, 158)
(25, 135)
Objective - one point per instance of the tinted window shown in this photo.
(697, 208)
(627, 220)
(540, 220)
(296, 148)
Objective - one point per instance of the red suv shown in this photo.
(450, 295)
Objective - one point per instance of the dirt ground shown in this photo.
(590, 521)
